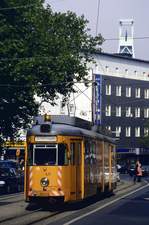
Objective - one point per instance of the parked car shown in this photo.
(12, 164)
(145, 170)
(9, 163)
(9, 180)
(122, 169)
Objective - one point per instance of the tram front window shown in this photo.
(45, 156)
(48, 154)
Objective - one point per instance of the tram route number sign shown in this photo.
(18, 152)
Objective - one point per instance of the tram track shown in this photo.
(29, 218)
(10, 196)
(34, 214)
(15, 217)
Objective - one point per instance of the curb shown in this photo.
(125, 185)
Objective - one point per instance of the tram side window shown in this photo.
(72, 149)
(78, 156)
(87, 152)
(75, 153)
(106, 157)
(62, 154)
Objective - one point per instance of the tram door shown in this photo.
(76, 172)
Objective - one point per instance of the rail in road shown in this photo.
(15, 211)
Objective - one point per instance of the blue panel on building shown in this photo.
(125, 150)
(98, 90)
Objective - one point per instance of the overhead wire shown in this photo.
(18, 7)
(47, 84)
(24, 6)
(30, 58)
(133, 38)
(81, 92)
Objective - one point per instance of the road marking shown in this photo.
(103, 206)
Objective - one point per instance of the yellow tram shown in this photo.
(66, 160)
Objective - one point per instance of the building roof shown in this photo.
(120, 56)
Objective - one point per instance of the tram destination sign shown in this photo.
(45, 138)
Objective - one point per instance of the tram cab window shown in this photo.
(62, 154)
(47, 154)
(44, 156)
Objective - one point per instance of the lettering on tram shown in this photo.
(67, 160)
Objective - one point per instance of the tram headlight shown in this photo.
(44, 182)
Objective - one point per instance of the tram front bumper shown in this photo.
(46, 193)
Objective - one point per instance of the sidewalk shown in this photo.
(128, 185)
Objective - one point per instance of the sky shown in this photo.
(110, 12)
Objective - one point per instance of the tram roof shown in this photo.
(68, 130)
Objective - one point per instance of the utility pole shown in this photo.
(97, 21)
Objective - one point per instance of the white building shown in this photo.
(117, 99)
(80, 104)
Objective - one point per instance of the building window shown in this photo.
(108, 110)
(117, 131)
(107, 69)
(128, 92)
(108, 89)
(118, 111)
(126, 71)
(128, 111)
(146, 93)
(108, 128)
(137, 131)
(146, 113)
(128, 131)
(137, 92)
(137, 112)
(146, 131)
(118, 90)
(117, 70)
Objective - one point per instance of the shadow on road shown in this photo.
(71, 206)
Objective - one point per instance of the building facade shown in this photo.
(116, 98)
(121, 103)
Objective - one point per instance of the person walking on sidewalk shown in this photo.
(137, 172)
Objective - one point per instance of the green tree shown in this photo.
(41, 52)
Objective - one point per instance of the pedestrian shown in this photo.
(137, 172)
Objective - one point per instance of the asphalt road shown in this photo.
(119, 208)
(130, 210)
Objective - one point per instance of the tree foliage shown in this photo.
(41, 52)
